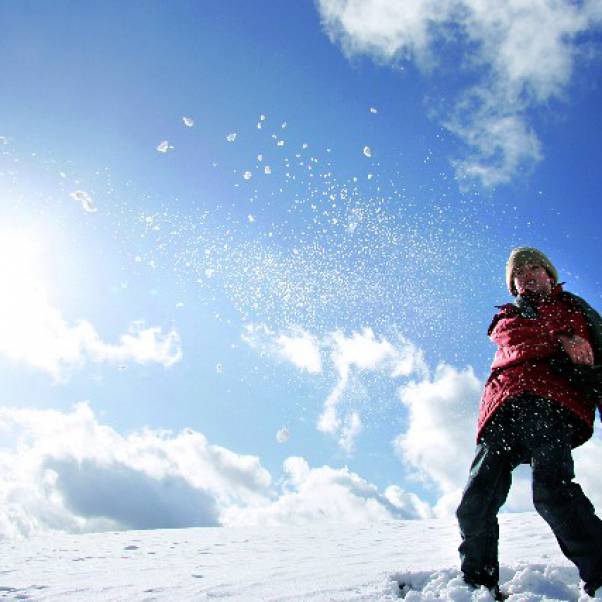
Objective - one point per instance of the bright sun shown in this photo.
(23, 303)
(21, 260)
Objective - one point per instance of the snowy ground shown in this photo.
(339, 562)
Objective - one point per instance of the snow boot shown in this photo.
(496, 593)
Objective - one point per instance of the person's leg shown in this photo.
(567, 510)
(486, 491)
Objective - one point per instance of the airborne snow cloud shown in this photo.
(519, 56)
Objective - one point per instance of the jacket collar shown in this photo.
(527, 307)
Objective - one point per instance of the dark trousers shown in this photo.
(538, 431)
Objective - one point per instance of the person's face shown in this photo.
(532, 278)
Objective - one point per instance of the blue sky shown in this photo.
(408, 150)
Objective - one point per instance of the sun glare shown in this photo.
(23, 290)
(21, 262)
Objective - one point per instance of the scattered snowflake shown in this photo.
(85, 199)
(164, 146)
(262, 118)
(209, 272)
(179, 305)
(260, 158)
(267, 170)
(251, 218)
(188, 121)
(231, 137)
(259, 125)
(283, 435)
(247, 175)
(284, 124)
(3, 140)
(219, 368)
(138, 259)
(370, 176)
(373, 110)
(62, 174)
(280, 143)
(304, 146)
(367, 151)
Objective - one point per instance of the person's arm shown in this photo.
(525, 338)
(575, 341)
(578, 349)
(519, 340)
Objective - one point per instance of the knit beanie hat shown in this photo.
(522, 255)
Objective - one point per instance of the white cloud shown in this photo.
(502, 143)
(352, 427)
(520, 55)
(587, 468)
(296, 346)
(302, 349)
(387, 30)
(408, 503)
(97, 479)
(361, 352)
(439, 442)
(34, 332)
(327, 493)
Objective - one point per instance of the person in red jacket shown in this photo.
(537, 405)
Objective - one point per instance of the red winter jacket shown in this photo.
(521, 363)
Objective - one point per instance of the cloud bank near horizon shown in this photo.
(97, 479)
(518, 56)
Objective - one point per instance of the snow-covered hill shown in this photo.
(326, 562)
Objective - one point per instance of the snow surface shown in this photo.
(321, 562)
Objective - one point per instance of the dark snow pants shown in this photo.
(538, 431)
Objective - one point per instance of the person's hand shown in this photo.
(578, 349)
